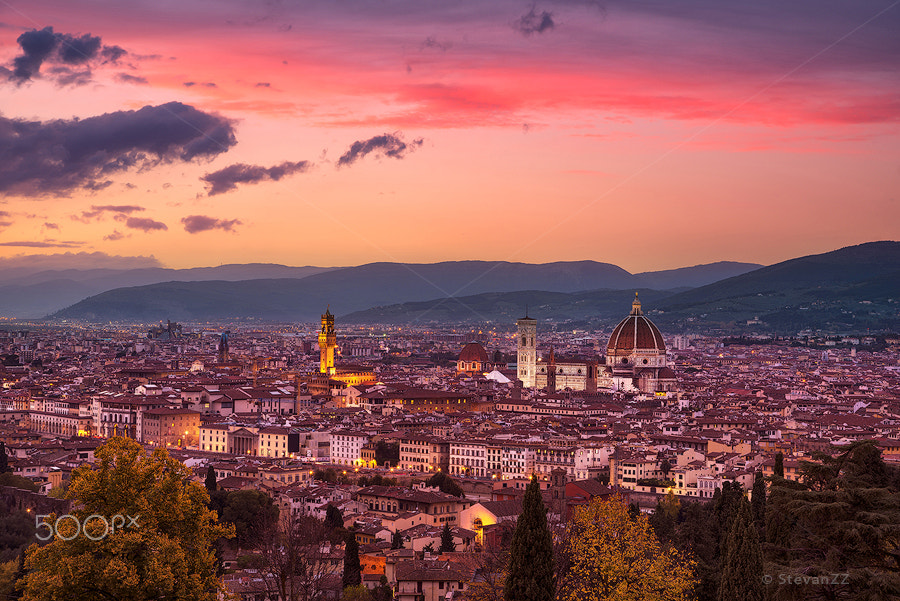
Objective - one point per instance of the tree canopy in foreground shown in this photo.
(162, 548)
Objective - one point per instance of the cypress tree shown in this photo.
(352, 569)
(333, 517)
(396, 540)
(530, 576)
(758, 504)
(210, 480)
(4, 460)
(447, 544)
(742, 564)
(778, 471)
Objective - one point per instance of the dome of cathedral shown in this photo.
(473, 352)
(635, 332)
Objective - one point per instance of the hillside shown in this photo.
(353, 289)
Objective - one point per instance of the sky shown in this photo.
(649, 134)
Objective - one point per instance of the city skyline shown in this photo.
(647, 136)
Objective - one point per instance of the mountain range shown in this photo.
(352, 289)
(852, 288)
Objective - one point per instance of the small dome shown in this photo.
(473, 352)
(635, 332)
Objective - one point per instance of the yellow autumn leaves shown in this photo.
(615, 556)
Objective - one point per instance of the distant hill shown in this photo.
(852, 288)
(32, 295)
(692, 277)
(352, 289)
(590, 307)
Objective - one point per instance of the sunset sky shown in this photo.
(652, 135)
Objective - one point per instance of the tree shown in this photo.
(613, 555)
(843, 517)
(665, 467)
(490, 567)
(397, 540)
(10, 479)
(356, 593)
(445, 484)
(742, 563)
(352, 575)
(382, 592)
(778, 470)
(247, 510)
(4, 459)
(160, 549)
(297, 557)
(758, 503)
(210, 480)
(665, 516)
(447, 544)
(333, 517)
(530, 576)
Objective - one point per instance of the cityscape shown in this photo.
(399, 301)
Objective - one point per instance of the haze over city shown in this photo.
(648, 135)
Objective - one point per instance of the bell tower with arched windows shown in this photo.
(527, 350)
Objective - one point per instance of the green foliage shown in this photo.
(382, 592)
(842, 518)
(530, 576)
(387, 452)
(445, 484)
(210, 481)
(429, 548)
(742, 563)
(163, 551)
(665, 467)
(655, 482)
(16, 532)
(251, 561)
(758, 504)
(249, 511)
(665, 517)
(352, 575)
(397, 540)
(447, 544)
(10, 479)
(326, 475)
(4, 459)
(333, 517)
(356, 593)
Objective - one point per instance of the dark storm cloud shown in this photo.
(145, 224)
(56, 157)
(62, 50)
(534, 22)
(228, 178)
(201, 223)
(389, 145)
(126, 78)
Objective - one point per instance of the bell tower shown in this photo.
(527, 351)
(327, 343)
